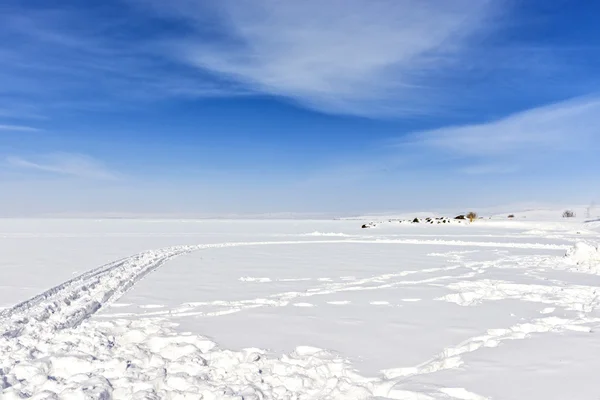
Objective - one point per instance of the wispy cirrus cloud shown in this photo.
(65, 56)
(361, 57)
(550, 140)
(18, 128)
(351, 56)
(69, 164)
(560, 126)
(542, 135)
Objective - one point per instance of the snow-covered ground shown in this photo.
(141, 309)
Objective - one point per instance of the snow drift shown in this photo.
(585, 256)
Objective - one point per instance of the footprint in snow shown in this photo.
(152, 306)
(294, 279)
(120, 305)
(252, 279)
(303, 305)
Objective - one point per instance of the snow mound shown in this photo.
(146, 359)
(585, 255)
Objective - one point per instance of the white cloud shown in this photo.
(79, 58)
(77, 165)
(356, 56)
(568, 126)
(17, 128)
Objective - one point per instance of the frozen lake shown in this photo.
(400, 310)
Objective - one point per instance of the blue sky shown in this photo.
(337, 106)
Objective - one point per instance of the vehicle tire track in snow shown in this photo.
(69, 303)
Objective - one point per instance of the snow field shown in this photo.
(421, 306)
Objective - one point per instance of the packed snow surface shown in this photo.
(298, 310)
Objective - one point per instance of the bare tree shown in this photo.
(568, 214)
(472, 216)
